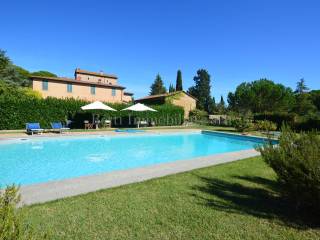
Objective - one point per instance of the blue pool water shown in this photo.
(37, 160)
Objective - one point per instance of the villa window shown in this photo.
(93, 90)
(113, 92)
(45, 85)
(69, 87)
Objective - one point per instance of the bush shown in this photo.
(198, 114)
(304, 123)
(307, 124)
(11, 224)
(241, 124)
(278, 118)
(19, 106)
(296, 162)
(265, 126)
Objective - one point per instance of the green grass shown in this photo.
(231, 201)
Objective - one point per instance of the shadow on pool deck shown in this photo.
(262, 201)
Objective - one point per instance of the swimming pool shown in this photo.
(37, 160)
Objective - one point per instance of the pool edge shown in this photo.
(49, 191)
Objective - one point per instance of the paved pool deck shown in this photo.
(43, 192)
(109, 132)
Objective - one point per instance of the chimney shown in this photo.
(76, 77)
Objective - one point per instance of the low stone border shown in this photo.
(43, 192)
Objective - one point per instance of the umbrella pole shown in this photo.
(97, 125)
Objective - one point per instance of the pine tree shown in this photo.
(171, 88)
(157, 87)
(179, 81)
(301, 86)
(202, 91)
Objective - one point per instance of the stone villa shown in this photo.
(179, 98)
(86, 85)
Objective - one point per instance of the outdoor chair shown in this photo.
(142, 123)
(88, 125)
(58, 127)
(107, 123)
(33, 128)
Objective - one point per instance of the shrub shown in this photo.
(307, 124)
(198, 114)
(278, 118)
(296, 162)
(265, 126)
(241, 124)
(11, 224)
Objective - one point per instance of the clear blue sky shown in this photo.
(234, 40)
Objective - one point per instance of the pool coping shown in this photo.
(49, 191)
(95, 134)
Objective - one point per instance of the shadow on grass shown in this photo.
(260, 200)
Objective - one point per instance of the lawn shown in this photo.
(238, 200)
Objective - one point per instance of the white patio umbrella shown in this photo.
(139, 107)
(97, 105)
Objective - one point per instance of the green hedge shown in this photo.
(16, 112)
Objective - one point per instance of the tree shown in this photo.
(261, 96)
(157, 87)
(304, 105)
(315, 96)
(301, 86)
(4, 61)
(202, 91)
(171, 88)
(214, 106)
(304, 101)
(9, 72)
(23, 72)
(179, 81)
(221, 106)
(43, 74)
(16, 75)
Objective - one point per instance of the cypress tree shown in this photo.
(171, 88)
(179, 81)
(222, 106)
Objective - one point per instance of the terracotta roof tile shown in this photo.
(78, 70)
(164, 95)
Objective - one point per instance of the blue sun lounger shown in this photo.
(33, 128)
(57, 127)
